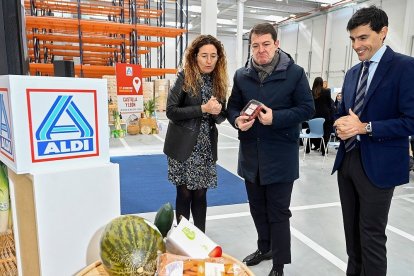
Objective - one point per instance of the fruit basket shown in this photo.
(8, 266)
(97, 269)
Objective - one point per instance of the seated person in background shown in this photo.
(337, 103)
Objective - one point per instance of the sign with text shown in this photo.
(129, 88)
(63, 123)
(50, 123)
(128, 79)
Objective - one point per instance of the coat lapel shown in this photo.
(380, 74)
(350, 97)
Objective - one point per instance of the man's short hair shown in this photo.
(372, 16)
(263, 28)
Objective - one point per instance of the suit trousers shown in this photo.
(269, 207)
(365, 209)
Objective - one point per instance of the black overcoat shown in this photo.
(272, 151)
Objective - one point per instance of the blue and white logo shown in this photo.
(52, 128)
(65, 131)
(129, 71)
(6, 142)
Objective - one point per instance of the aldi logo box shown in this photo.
(6, 131)
(62, 123)
(53, 122)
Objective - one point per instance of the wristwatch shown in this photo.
(368, 128)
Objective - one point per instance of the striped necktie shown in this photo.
(359, 102)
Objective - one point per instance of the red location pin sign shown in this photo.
(136, 82)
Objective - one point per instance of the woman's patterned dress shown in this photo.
(199, 170)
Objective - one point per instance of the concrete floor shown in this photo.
(318, 244)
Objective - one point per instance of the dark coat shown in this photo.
(324, 109)
(323, 105)
(389, 106)
(272, 152)
(184, 112)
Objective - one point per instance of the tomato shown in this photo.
(216, 252)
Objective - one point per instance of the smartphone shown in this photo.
(252, 109)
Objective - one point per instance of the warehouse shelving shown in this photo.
(99, 33)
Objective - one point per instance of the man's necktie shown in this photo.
(359, 102)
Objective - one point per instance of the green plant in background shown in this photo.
(118, 132)
(149, 108)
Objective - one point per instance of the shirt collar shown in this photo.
(378, 55)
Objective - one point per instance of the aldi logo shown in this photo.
(6, 139)
(63, 124)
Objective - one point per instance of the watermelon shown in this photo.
(164, 218)
(130, 245)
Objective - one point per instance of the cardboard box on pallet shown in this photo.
(161, 88)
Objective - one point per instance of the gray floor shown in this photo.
(318, 245)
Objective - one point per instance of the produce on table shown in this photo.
(216, 252)
(5, 215)
(164, 218)
(130, 245)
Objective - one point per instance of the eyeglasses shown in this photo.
(207, 56)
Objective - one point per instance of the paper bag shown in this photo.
(186, 239)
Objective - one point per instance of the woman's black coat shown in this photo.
(184, 112)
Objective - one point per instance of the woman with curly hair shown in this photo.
(196, 103)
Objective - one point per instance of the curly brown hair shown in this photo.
(193, 80)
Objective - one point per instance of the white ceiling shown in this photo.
(255, 11)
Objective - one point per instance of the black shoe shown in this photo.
(256, 257)
(275, 272)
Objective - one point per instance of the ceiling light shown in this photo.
(193, 8)
(274, 18)
(197, 9)
(292, 15)
(253, 11)
(328, 2)
(174, 24)
(225, 21)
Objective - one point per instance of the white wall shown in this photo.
(324, 38)
(321, 44)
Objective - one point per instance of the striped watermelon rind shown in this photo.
(130, 245)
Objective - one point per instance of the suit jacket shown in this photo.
(184, 112)
(271, 151)
(389, 106)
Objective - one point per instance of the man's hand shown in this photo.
(348, 126)
(266, 115)
(242, 122)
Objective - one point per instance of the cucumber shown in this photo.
(164, 218)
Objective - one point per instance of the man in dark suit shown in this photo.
(269, 144)
(376, 117)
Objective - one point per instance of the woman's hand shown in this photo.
(212, 106)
